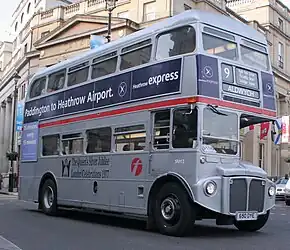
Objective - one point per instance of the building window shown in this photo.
(28, 8)
(176, 42)
(22, 91)
(56, 81)
(149, 11)
(280, 55)
(99, 140)
(50, 145)
(131, 138)
(186, 7)
(124, 14)
(261, 155)
(22, 16)
(25, 48)
(15, 28)
(280, 23)
(72, 144)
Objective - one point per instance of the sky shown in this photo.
(6, 18)
(10, 6)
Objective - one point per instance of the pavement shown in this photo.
(22, 227)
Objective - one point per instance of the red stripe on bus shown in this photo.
(119, 111)
(236, 106)
(156, 105)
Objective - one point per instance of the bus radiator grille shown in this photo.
(243, 196)
(238, 195)
(256, 195)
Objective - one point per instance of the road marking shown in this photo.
(6, 244)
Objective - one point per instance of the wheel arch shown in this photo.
(161, 180)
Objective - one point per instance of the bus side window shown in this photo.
(103, 68)
(56, 81)
(99, 140)
(136, 55)
(72, 144)
(176, 42)
(161, 129)
(78, 74)
(131, 138)
(184, 134)
(50, 145)
(37, 87)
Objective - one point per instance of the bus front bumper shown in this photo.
(234, 195)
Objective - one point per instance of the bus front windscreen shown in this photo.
(220, 131)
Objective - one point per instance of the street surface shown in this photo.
(23, 227)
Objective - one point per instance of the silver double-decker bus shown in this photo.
(148, 126)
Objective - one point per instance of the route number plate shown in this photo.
(244, 216)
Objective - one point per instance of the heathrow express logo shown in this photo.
(65, 167)
(269, 87)
(122, 89)
(208, 72)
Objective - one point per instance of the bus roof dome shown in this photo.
(219, 21)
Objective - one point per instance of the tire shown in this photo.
(287, 202)
(48, 198)
(252, 226)
(179, 220)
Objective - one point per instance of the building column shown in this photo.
(2, 127)
(284, 111)
(7, 132)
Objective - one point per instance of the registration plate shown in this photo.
(241, 216)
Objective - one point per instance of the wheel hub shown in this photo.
(48, 197)
(169, 208)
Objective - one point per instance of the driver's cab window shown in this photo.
(184, 133)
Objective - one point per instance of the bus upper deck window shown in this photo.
(220, 47)
(37, 87)
(56, 81)
(176, 42)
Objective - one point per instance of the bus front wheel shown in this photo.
(252, 226)
(173, 210)
(48, 201)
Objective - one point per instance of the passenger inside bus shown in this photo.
(185, 128)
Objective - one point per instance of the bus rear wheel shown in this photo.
(252, 226)
(173, 210)
(48, 200)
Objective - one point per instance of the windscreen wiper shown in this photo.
(213, 109)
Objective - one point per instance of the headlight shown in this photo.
(271, 191)
(210, 188)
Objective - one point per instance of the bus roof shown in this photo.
(190, 16)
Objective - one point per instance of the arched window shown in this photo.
(16, 24)
(28, 8)
(22, 16)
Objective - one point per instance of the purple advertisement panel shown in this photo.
(268, 91)
(207, 76)
(29, 144)
(152, 81)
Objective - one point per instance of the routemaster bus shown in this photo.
(148, 126)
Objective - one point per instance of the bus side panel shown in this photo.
(27, 181)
